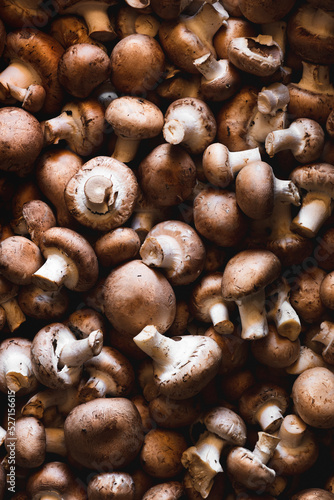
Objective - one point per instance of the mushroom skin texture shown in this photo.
(19, 259)
(16, 373)
(152, 298)
(173, 413)
(137, 64)
(167, 175)
(70, 261)
(313, 494)
(18, 15)
(102, 194)
(117, 246)
(265, 11)
(55, 478)
(312, 395)
(274, 350)
(21, 140)
(118, 485)
(176, 248)
(8, 302)
(40, 304)
(69, 30)
(36, 218)
(91, 427)
(190, 123)
(171, 490)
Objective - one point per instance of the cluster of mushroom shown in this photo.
(166, 249)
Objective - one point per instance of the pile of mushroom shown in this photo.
(166, 249)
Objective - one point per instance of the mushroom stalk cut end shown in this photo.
(78, 352)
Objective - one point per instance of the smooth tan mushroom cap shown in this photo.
(30, 442)
(226, 424)
(19, 259)
(248, 469)
(248, 271)
(315, 177)
(58, 477)
(117, 246)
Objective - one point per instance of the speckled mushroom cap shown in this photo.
(19, 349)
(57, 477)
(265, 11)
(106, 485)
(42, 53)
(188, 251)
(248, 271)
(313, 494)
(135, 296)
(315, 177)
(102, 194)
(105, 432)
(313, 397)
(17, 14)
(226, 424)
(19, 259)
(172, 490)
(21, 140)
(30, 442)
(78, 250)
(134, 117)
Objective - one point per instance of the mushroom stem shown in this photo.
(99, 193)
(238, 159)
(60, 127)
(265, 446)
(269, 416)
(307, 359)
(219, 315)
(14, 314)
(209, 66)
(319, 22)
(55, 441)
(125, 149)
(286, 191)
(79, 351)
(262, 124)
(316, 78)
(203, 462)
(18, 373)
(273, 98)
(288, 138)
(315, 209)
(283, 314)
(97, 20)
(18, 74)
(292, 431)
(253, 316)
(207, 21)
(161, 251)
(163, 350)
(54, 272)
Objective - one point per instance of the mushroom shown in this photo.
(316, 180)
(249, 467)
(326, 337)
(175, 247)
(137, 64)
(244, 280)
(167, 175)
(188, 37)
(266, 11)
(36, 218)
(26, 191)
(312, 395)
(21, 140)
(260, 55)
(307, 359)
(133, 119)
(234, 351)
(257, 189)
(182, 366)
(236, 27)
(274, 350)
(80, 124)
(17, 14)
(224, 428)
(33, 441)
(110, 374)
(207, 303)
(313, 494)
(57, 356)
(280, 310)
(171, 413)
(55, 478)
(264, 404)
(151, 298)
(304, 137)
(102, 194)
(91, 427)
(14, 314)
(70, 261)
(41, 304)
(171, 490)
(191, 123)
(326, 291)
(221, 166)
(146, 214)
(160, 455)
(82, 68)
(118, 485)
(54, 169)
(16, 372)
(34, 57)
(167, 9)
(95, 13)
(70, 30)
(297, 450)
(62, 400)
(130, 20)
(19, 259)
(117, 246)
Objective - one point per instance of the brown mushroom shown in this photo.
(41, 304)
(117, 246)
(130, 20)
(171, 490)
(313, 494)
(326, 337)
(267, 11)
(175, 247)
(236, 27)
(16, 373)
(118, 485)
(36, 218)
(133, 119)
(18, 14)
(90, 427)
(280, 310)
(14, 314)
(102, 194)
(305, 294)
(19, 259)
(70, 261)
(274, 350)
(244, 280)
(172, 413)
(55, 478)
(69, 30)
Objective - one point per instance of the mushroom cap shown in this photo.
(172, 490)
(236, 28)
(247, 469)
(117, 246)
(313, 494)
(315, 177)
(313, 397)
(105, 432)
(41, 304)
(226, 424)
(326, 290)
(19, 259)
(274, 350)
(124, 188)
(167, 175)
(17, 348)
(189, 255)
(57, 477)
(305, 103)
(305, 294)
(151, 298)
(82, 67)
(8, 290)
(137, 64)
(30, 443)
(18, 15)
(134, 117)
(172, 413)
(249, 271)
(21, 140)
(265, 11)
(77, 248)
(260, 56)
(38, 217)
(106, 485)
(42, 53)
